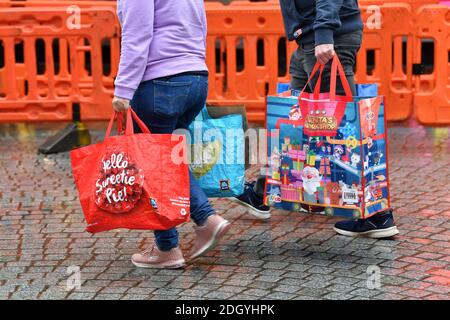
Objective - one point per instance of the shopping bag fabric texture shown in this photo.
(346, 173)
(218, 154)
(164, 202)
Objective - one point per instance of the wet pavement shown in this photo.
(292, 256)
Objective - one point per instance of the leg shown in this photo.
(150, 103)
(201, 209)
(299, 77)
(210, 226)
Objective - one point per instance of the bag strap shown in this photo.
(119, 117)
(317, 67)
(203, 115)
(129, 129)
(335, 67)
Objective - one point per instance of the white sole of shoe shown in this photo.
(262, 215)
(376, 234)
(218, 234)
(173, 265)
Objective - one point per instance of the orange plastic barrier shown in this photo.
(247, 54)
(259, 28)
(50, 63)
(432, 94)
(387, 43)
(242, 55)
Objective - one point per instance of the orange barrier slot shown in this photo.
(432, 89)
(385, 56)
(49, 64)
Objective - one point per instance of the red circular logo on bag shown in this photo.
(119, 183)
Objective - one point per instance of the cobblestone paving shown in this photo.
(292, 256)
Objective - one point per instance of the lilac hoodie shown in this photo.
(159, 38)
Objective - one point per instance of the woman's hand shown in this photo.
(120, 104)
(324, 53)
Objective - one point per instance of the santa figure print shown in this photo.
(295, 113)
(311, 180)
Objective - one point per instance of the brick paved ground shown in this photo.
(293, 256)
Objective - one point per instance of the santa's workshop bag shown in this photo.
(327, 153)
(217, 154)
(132, 181)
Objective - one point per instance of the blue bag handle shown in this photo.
(203, 115)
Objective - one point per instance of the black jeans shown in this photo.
(303, 60)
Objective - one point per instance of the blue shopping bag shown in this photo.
(218, 154)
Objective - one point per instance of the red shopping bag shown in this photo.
(132, 181)
(322, 112)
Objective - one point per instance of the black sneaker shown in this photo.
(378, 226)
(254, 202)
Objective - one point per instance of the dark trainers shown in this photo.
(380, 225)
(252, 201)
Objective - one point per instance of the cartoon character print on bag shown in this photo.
(333, 192)
(311, 181)
(295, 113)
(355, 159)
(338, 151)
(119, 183)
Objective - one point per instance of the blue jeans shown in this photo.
(166, 104)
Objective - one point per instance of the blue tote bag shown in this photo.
(218, 154)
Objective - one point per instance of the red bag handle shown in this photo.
(129, 129)
(119, 117)
(337, 66)
(317, 67)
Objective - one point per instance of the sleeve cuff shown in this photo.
(124, 92)
(324, 36)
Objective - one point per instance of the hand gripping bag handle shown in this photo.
(334, 107)
(129, 129)
(335, 67)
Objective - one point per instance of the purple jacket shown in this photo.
(159, 38)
